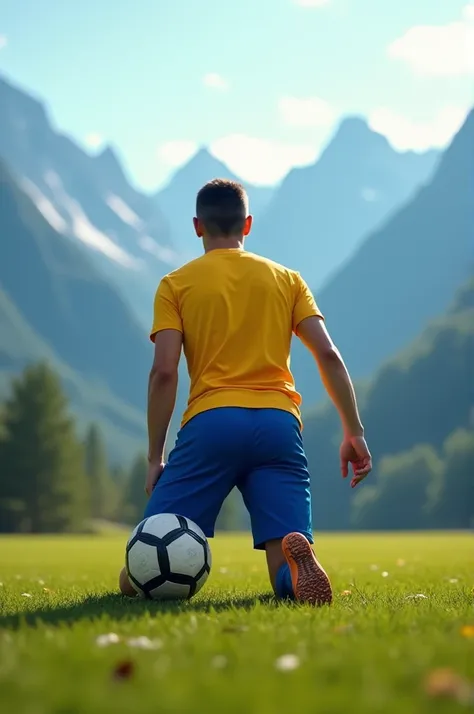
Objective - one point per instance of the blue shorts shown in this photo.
(260, 451)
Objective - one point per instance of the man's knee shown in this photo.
(125, 586)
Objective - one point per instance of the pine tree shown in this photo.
(101, 488)
(42, 482)
(135, 498)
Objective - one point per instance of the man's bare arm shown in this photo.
(162, 388)
(314, 335)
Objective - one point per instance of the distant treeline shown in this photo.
(51, 480)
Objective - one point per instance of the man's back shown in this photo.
(237, 312)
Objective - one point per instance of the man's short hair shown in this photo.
(222, 207)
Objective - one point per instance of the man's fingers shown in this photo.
(344, 467)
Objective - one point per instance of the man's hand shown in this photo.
(354, 451)
(154, 473)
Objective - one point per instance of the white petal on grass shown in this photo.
(384, 574)
(418, 596)
(144, 643)
(109, 639)
(287, 662)
(219, 662)
(453, 581)
(26, 595)
(374, 568)
(223, 571)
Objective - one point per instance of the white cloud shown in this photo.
(311, 3)
(94, 140)
(215, 81)
(405, 134)
(306, 111)
(3, 41)
(261, 161)
(468, 12)
(175, 153)
(438, 50)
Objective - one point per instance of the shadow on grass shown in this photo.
(117, 608)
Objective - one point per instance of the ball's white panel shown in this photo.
(201, 582)
(170, 591)
(209, 555)
(132, 534)
(194, 527)
(186, 555)
(161, 524)
(143, 562)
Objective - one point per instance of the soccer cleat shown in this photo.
(310, 582)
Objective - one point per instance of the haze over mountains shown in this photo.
(321, 213)
(82, 251)
(405, 274)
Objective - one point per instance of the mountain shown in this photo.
(420, 397)
(178, 199)
(321, 213)
(405, 274)
(55, 305)
(87, 198)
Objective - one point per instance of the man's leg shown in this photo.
(202, 469)
(277, 495)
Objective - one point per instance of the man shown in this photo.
(234, 313)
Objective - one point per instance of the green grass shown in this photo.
(370, 652)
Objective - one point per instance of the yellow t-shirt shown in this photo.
(237, 312)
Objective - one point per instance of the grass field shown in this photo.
(233, 649)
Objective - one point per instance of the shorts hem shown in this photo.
(259, 543)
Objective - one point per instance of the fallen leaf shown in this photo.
(123, 670)
(400, 562)
(287, 662)
(448, 684)
(346, 592)
(467, 631)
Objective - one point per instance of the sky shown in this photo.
(262, 83)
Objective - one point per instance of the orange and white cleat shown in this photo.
(310, 583)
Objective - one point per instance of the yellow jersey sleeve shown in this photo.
(166, 314)
(304, 303)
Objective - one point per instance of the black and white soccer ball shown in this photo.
(167, 558)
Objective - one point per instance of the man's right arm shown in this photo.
(314, 335)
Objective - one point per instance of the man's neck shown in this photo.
(236, 243)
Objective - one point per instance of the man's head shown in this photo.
(222, 211)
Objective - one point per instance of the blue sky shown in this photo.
(264, 83)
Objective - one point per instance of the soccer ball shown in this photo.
(167, 558)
